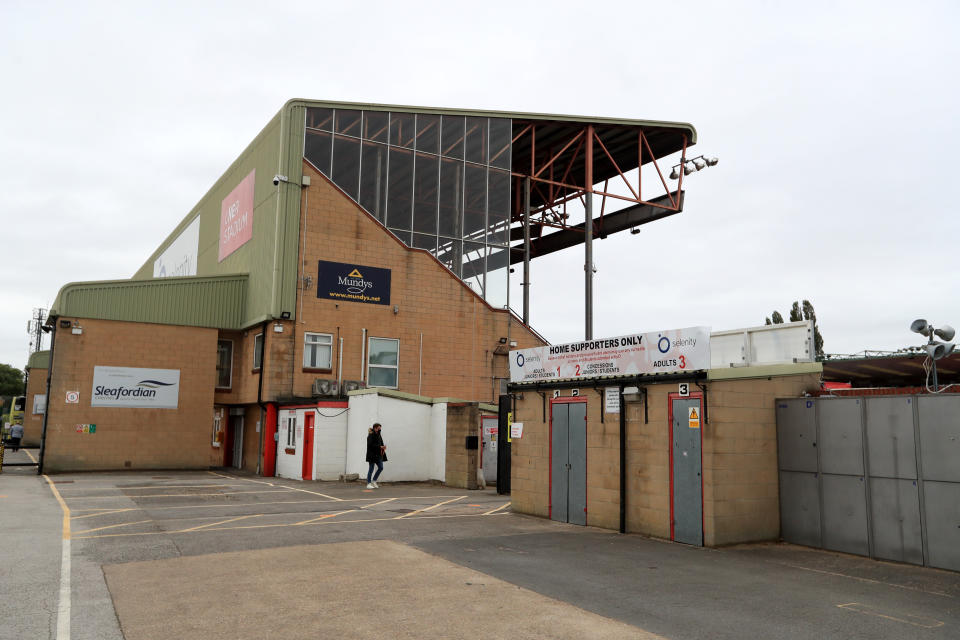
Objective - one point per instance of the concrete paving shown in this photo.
(211, 536)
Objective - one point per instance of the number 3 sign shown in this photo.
(684, 389)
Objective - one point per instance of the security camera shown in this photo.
(276, 179)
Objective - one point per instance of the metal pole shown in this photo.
(588, 239)
(526, 250)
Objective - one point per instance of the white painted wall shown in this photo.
(330, 442)
(412, 432)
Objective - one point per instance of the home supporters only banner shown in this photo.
(671, 351)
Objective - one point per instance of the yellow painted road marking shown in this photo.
(112, 526)
(100, 513)
(906, 618)
(324, 517)
(30, 455)
(213, 524)
(180, 495)
(492, 511)
(316, 493)
(439, 504)
(277, 526)
(367, 506)
(63, 606)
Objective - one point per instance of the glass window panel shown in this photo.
(425, 194)
(498, 206)
(346, 164)
(451, 145)
(497, 282)
(428, 133)
(316, 149)
(382, 377)
(475, 202)
(373, 179)
(476, 134)
(473, 265)
(401, 129)
(375, 125)
(320, 118)
(224, 363)
(449, 253)
(500, 134)
(347, 122)
(317, 350)
(257, 351)
(400, 190)
(424, 241)
(403, 235)
(383, 351)
(451, 197)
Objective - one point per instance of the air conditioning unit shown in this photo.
(352, 385)
(324, 387)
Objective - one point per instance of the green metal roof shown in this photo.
(39, 360)
(205, 301)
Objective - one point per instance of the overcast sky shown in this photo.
(835, 124)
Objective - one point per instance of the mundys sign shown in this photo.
(135, 388)
(353, 282)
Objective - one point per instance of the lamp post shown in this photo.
(934, 348)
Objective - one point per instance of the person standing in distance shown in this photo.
(376, 455)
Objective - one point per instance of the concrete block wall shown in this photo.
(132, 438)
(463, 419)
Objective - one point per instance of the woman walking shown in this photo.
(376, 455)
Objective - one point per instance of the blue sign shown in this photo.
(353, 283)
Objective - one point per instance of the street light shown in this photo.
(934, 348)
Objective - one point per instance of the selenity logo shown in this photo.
(355, 282)
(143, 389)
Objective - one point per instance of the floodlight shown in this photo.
(712, 161)
(946, 332)
(699, 163)
(674, 174)
(688, 168)
(920, 326)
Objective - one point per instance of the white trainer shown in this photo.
(370, 485)
(376, 486)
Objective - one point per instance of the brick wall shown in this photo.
(739, 459)
(33, 423)
(459, 330)
(132, 438)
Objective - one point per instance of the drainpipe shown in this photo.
(46, 410)
(263, 409)
(623, 463)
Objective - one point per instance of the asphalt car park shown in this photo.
(218, 554)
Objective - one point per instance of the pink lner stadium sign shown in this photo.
(672, 351)
(236, 217)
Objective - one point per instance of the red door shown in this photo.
(308, 446)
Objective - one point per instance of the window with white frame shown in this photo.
(257, 351)
(317, 351)
(292, 432)
(382, 365)
(224, 363)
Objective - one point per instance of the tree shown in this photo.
(11, 383)
(800, 312)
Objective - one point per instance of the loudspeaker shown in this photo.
(920, 326)
(946, 332)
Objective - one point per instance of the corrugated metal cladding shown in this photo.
(217, 302)
(39, 360)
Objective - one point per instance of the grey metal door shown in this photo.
(568, 478)
(687, 519)
(489, 426)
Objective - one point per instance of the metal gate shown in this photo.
(686, 483)
(876, 476)
(568, 462)
(489, 426)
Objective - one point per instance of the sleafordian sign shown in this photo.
(672, 351)
(353, 282)
(135, 388)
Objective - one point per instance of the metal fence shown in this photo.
(873, 476)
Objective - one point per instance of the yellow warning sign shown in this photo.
(355, 274)
(693, 418)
